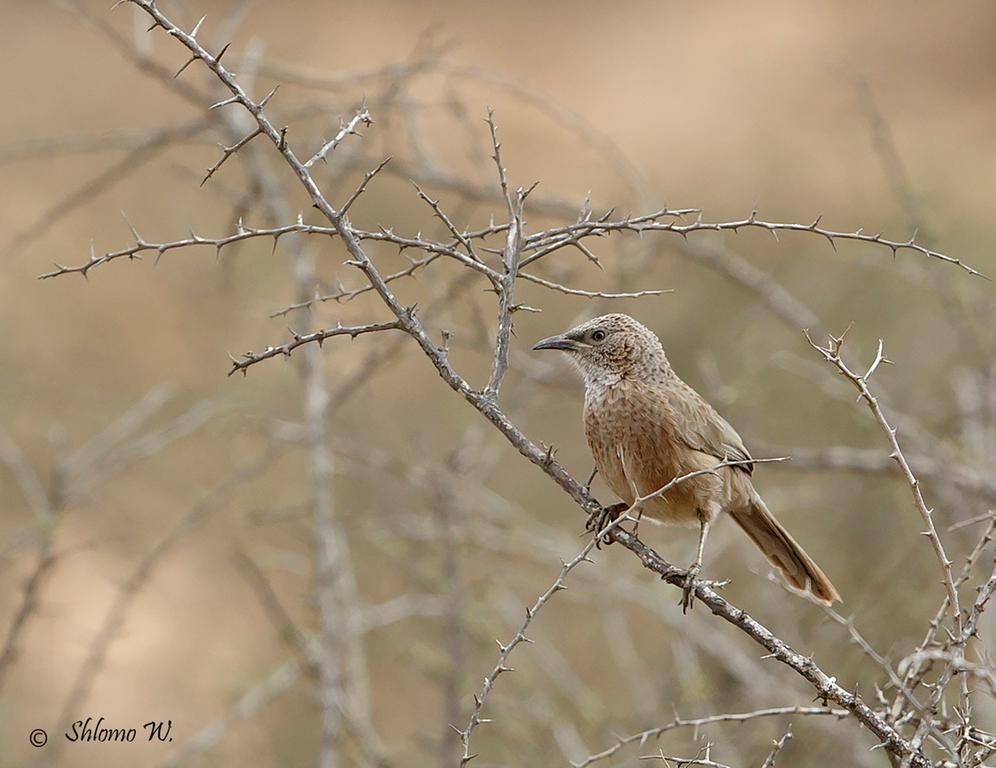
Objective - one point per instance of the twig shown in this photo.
(520, 637)
(461, 237)
(592, 294)
(511, 257)
(831, 353)
(703, 759)
(739, 717)
(248, 359)
(345, 129)
(649, 223)
(777, 746)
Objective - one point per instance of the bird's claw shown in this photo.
(597, 521)
(691, 581)
(688, 587)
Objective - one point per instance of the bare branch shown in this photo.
(654, 733)
(511, 257)
(505, 650)
(27, 479)
(345, 129)
(343, 294)
(27, 605)
(591, 294)
(777, 746)
(461, 237)
(363, 185)
(864, 460)
(251, 358)
(227, 152)
(831, 353)
(546, 242)
(703, 759)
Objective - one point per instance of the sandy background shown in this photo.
(791, 108)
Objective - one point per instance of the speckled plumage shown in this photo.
(645, 426)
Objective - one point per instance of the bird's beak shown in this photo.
(558, 342)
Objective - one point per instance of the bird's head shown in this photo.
(610, 348)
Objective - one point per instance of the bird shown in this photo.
(646, 427)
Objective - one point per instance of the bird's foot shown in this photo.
(599, 520)
(691, 581)
(688, 588)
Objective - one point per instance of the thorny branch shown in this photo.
(963, 627)
(520, 637)
(776, 747)
(511, 258)
(346, 129)
(537, 245)
(318, 337)
(860, 381)
(643, 737)
(557, 586)
(703, 758)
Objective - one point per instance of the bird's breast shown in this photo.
(623, 426)
(628, 427)
(624, 412)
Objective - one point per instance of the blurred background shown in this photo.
(160, 520)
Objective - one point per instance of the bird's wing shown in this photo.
(703, 429)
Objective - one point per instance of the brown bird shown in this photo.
(646, 426)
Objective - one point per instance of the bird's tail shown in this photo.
(797, 568)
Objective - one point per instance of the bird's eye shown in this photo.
(598, 335)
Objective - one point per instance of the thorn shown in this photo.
(225, 102)
(268, 96)
(197, 27)
(189, 61)
(138, 239)
(221, 53)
